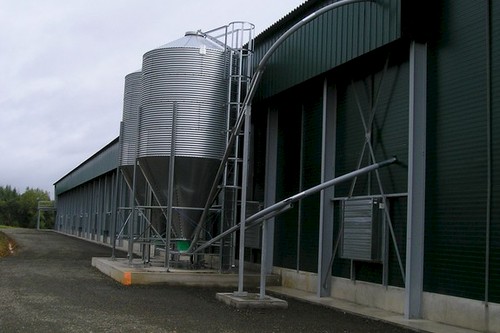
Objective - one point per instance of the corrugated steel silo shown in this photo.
(130, 127)
(189, 73)
(129, 133)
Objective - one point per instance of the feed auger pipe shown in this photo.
(286, 204)
(248, 101)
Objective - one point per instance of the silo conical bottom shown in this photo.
(192, 183)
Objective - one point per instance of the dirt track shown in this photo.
(50, 286)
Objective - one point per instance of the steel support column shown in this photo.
(171, 177)
(270, 186)
(243, 207)
(416, 181)
(326, 206)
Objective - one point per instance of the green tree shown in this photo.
(21, 210)
(28, 207)
(9, 206)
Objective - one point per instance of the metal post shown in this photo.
(146, 252)
(301, 187)
(244, 185)
(325, 255)
(270, 188)
(38, 219)
(38, 215)
(100, 204)
(266, 256)
(170, 187)
(115, 213)
(132, 221)
(263, 259)
(416, 181)
(116, 201)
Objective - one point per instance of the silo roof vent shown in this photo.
(193, 39)
(192, 33)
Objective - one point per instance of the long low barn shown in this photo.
(356, 85)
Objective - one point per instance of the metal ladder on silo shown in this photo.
(239, 80)
(237, 38)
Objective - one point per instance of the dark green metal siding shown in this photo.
(390, 125)
(494, 295)
(300, 122)
(358, 87)
(103, 161)
(311, 176)
(456, 164)
(259, 146)
(288, 181)
(326, 42)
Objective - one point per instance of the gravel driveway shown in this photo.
(48, 285)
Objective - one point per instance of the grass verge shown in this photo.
(7, 245)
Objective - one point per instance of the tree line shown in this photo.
(21, 210)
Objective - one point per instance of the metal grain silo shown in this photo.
(129, 132)
(188, 75)
(130, 122)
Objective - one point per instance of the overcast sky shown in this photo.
(62, 70)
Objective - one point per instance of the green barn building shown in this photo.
(357, 85)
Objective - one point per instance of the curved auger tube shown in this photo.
(248, 101)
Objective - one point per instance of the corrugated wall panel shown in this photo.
(300, 122)
(361, 82)
(455, 232)
(494, 288)
(103, 161)
(350, 141)
(390, 126)
(302, 56)
(85, 210)
(259, 146)
(311, 176)
(287, 178)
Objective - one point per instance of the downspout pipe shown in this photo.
(248, 101)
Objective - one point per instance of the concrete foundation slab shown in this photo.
(251, 300)
(138, 273)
